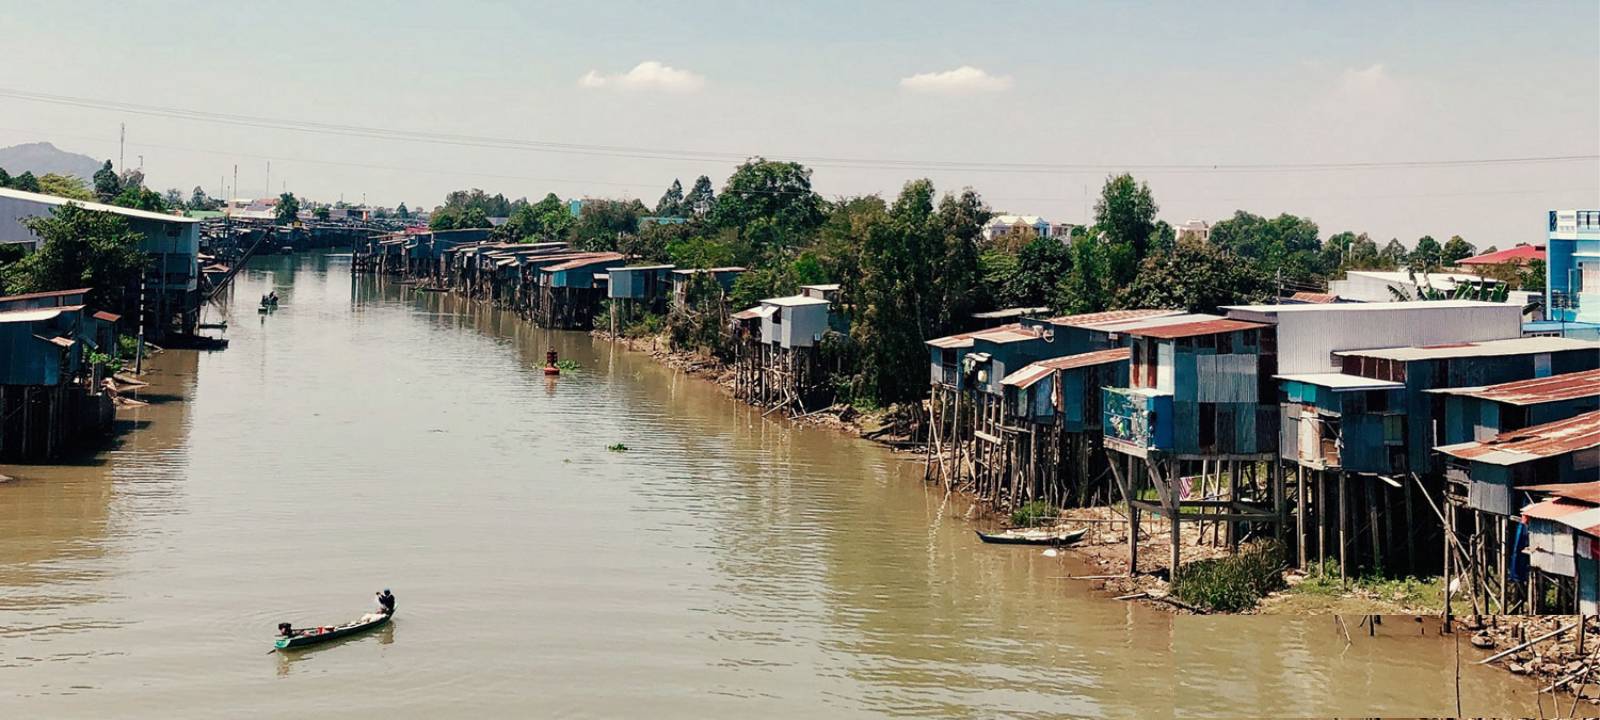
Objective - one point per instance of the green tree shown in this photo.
(80, 248)
(106, 183)
(474, 217)
(200, 200)
(1126, 213)
(771, 202)
(444, 218)
(321, 212)
(1393, 255)
(67, 186)
(288, 208)
(602, 223)
(140, 198)
(174, 199)
(1195, 277)
(25, 182)
(1427, 255)
(700, 199)
(1286, 244)
(671, 202)
(5, 178)
(1094, 273)
(402, 212)
(1455, 250)
(1363, 255)
(1532, 276)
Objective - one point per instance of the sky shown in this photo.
(1030, 104)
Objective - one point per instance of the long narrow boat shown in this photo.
(313, 636)
(1033, 537)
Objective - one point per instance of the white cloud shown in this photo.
(962, 80)
(1364, 80)
(648, 75)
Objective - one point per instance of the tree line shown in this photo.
(917, 266)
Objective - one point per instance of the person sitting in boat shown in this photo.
(386, 602)
(285, 630)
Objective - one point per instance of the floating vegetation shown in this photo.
(617, 447)
(566, 365)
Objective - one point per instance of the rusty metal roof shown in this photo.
(1574, 512)
(106, 316)
(38, 295)
(1196, 329)
(1554, 388)
(1035, 372)
(1532, 443)
(1314, 297)
(592, 259)
(1588, 492)
(964, 340)
(1090, 320)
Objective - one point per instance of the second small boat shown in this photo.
(1032, 537)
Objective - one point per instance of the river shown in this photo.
(367, 436)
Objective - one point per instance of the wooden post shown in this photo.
(1322, 521)
(1411, 529)
(1233, 497)
(1344, 528)
(1300, 514)
(1372, 521)
(1449, 537)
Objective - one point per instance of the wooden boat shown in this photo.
(313, 636)
(1033, 537)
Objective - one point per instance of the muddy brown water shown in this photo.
(725, 565)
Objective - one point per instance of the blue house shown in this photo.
(1572, 285)
(643, 283)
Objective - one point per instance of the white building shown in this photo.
(1374, 285)
(1195, 229)
(1002, 225)
(793, 321)
(1308, 335)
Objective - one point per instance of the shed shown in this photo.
(1210, 371)
(1564, 538)
(1564, 451)
(1333, 421)
(639, 282)
(1065, 390)
(683, 279)
(796, 321)
(40, 346)
(1482, 412)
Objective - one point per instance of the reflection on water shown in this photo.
(366, 435)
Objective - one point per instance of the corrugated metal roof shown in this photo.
(582, 262)
(1486, 348)
(1586, 491)
(1010, 313)
(106, 316)
(1314, 297)
(36, 314)
(795, 301)
(1035, 372)
(1576, 514)
(1340, 381)
(641, 268)
(1532, 443)
(825, 287)
(50, 293)
(1366, 306)
(1521, 254)
(1007, 334)
(699, 271)
(100, 207)
(1195, 329)
(755, 312)
(1555, 388)
(1091, 320)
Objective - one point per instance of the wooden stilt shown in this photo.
(1344, 529)
(1300, 515)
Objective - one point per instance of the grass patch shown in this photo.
(1235, 583)
(1399, 592)
(1034, 513)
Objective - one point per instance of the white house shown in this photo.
(1002, 225)
(794, 321)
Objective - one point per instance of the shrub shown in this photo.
(1034, 513)
(1232, 584)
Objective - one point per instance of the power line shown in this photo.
(314, 127)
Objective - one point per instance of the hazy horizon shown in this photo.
(870, 97)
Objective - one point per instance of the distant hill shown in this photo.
(42, 157)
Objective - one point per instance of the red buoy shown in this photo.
(550, 363)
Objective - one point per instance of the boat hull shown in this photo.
(341, 631)
(1066, 538)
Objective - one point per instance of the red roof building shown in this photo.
(1520, 255)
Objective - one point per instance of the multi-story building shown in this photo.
(1572, 286)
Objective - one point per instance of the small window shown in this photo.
(1205, 342)
(1377, 401)
(1208, 426)
(1225, 344)
(777, 316)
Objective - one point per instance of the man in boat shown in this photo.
(386, 602)
(285, 630)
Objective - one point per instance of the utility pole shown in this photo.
(235, 180)
(269, 177)
(122, 145)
